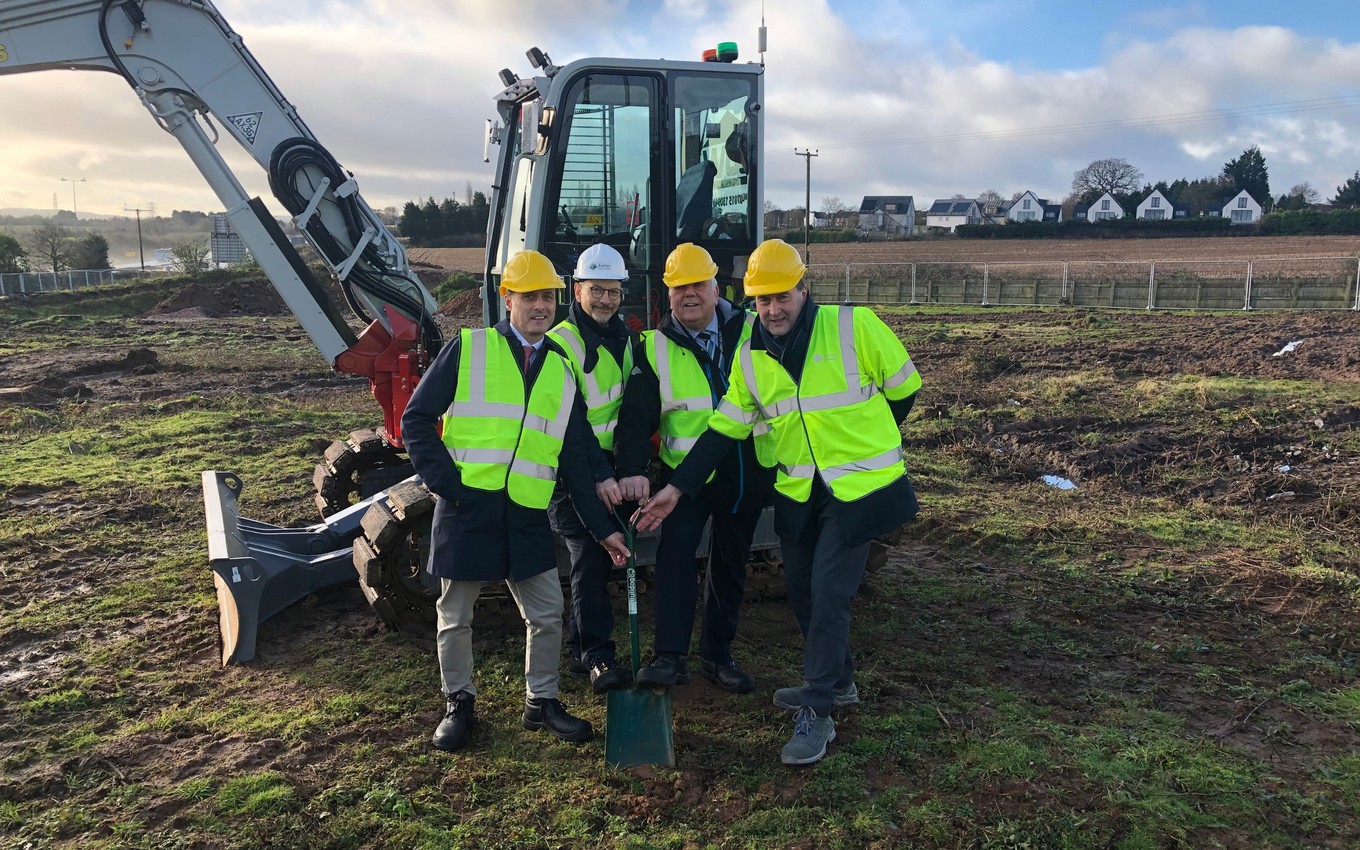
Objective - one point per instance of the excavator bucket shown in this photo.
(260, 569)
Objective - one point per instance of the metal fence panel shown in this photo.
(31, 283)
(1316, 283)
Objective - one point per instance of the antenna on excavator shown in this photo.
(760, 37)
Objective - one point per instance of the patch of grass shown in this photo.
(257, 794)
(62, 701)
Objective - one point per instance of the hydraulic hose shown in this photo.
(295, 166)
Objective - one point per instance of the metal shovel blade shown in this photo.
(638, 728)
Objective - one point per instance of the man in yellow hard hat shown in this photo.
(511, 417)
(825, 390)
(682, 372)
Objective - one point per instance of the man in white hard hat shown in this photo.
(597, 344)
(511, 417)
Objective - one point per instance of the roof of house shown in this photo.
(886, 203)
(952, 206)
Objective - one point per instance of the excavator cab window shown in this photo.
(601, 178)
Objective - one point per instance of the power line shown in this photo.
(1169, 119)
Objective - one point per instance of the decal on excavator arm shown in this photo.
(4, 54)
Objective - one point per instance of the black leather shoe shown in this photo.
(577, 668)
(604, 676)
(549, 714)
(667, 668)
(729, 676)
(452, 732)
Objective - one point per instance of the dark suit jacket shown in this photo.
(481, 535)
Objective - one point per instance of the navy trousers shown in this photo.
(591, 628)
(724, 584)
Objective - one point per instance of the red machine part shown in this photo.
(392, 362)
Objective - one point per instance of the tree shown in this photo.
(190, 257)
(1115, 176)
(1348, 193)
(989, 201)
(48, 245)
(831, 204)
(89, 252)
(12, 255)
(1249, 172)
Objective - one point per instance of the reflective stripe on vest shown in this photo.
(834, 422)
(603, 387)
(497, 439)
(686, 395)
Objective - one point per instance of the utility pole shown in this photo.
(139, 210)
(807, 203)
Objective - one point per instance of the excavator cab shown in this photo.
(639, 155)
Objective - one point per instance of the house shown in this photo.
(1104, 207)
(949, 214)
(1031, 207)
(888, 214)
(1158, 207)
(1242, 208)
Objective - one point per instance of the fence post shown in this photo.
(913, 281)
(70, 280)
(847, 283)
(1247, 304)
(984, 284)
(1062, 299)
(2, 285)
(1152, 286)
(1357, 284)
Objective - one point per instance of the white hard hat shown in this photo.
(600, 262)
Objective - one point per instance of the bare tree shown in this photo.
(1306, 191)
(190, 257)
(467, 194)
(49, 247)
(831, 204)
(989, 201)
(1115, 176)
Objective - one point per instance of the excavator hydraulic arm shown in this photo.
(197, 79)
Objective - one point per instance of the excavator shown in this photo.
(641, 155)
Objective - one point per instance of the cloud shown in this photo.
(895, 102)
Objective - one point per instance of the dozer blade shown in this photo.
(260, 569)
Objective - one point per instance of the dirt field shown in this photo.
(995, 250)
(1164, 656)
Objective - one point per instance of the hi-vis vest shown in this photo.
(603, 388)
(498, 440)
(686, 396)
(835, 422)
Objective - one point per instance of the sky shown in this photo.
(897, 97)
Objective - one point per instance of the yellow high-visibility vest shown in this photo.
(602, 387)
(497, 438)
(835, 422)
(686, 396)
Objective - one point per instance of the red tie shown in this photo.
(528, 357)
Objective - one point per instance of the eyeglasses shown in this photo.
(601, 292)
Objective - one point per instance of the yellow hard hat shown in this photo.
(687, 264)
(530, 271)
(774, 267)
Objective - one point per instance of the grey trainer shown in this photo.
(790, 699)
(811, 734)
